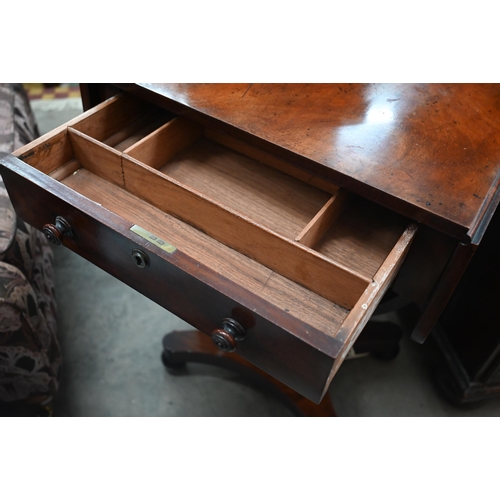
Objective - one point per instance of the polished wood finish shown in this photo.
(426, 151)
(429, 151)
(55, 233)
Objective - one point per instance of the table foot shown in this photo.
(181, 347)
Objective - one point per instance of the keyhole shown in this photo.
(140, 258)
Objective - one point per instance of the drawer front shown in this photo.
(296, 261)
(175, 281)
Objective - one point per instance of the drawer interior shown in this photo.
(149, 166)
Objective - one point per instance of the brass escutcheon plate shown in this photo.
(153, 239)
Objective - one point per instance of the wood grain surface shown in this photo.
(428, 151)
(322, 275)
(285, 294)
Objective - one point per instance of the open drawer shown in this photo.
(283, 267)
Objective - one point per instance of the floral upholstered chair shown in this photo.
(29, 351)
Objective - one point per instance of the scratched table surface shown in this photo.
(429, 151)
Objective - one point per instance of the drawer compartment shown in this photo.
(294, 259)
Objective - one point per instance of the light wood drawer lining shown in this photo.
(289, 258)
(290, 297)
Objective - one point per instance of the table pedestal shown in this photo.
(180, 347)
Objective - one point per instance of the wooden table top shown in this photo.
(429, 151)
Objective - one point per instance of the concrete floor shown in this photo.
(111, 341)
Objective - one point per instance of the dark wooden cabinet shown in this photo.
(468, 335)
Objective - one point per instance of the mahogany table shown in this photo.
(428, 152)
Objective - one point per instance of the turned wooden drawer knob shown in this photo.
(56, 232)
(225, 338)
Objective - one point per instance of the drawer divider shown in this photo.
(131, 134)
(323, 220)
(163, 143)
(294, 260)
(97, 157)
